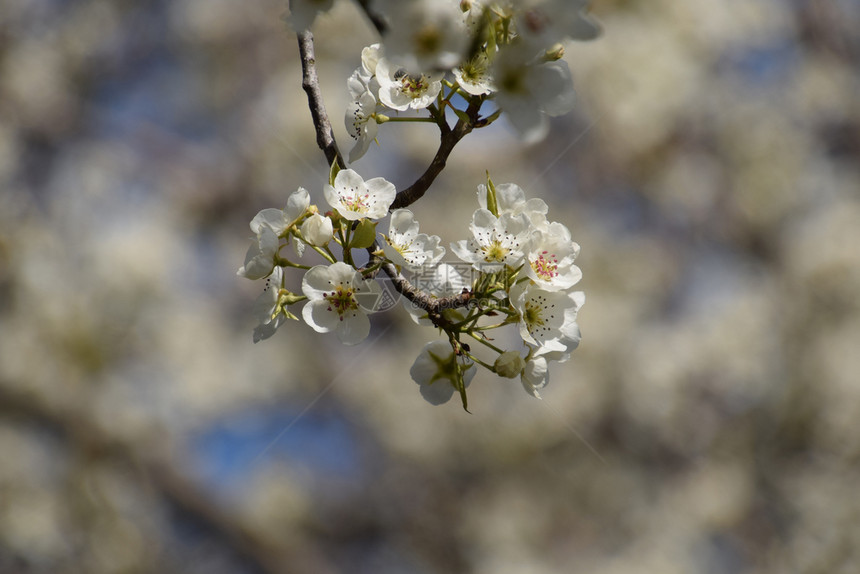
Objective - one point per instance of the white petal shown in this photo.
(526, 118)
(320, 316)
(393, 97)
(510, 198)
(383, 193)
(359, 149)
(438, 392)
(357, 85)
(353, 329)
(535, 376)
(297, 204)
(370, 56)
(341, 272)
(260, 257)
(316, 282)
(462, 249)
(271, 217)
(349, 180)
(556, 85)
(403, 223)
(483, 219)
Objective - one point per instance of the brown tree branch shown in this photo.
(433, 305)
(375, 19)
(311, 86)
(449, 139)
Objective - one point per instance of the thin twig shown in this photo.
(449, 139)
(311, 86)
(375, 19)
(325, 139)
(433, 305)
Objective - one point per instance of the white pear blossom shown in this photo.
(474, 76)
(528, 92)
(363, 79)
(472, 14)
(317, 230)
(359, 83)
(370, 55)
(261, 254)
(550, 255)
(535, 376)
(280, 220)
(304, 12)
(542, 23)
(547, 318)
(400, 90)
(511, 199)
(406, 247)
(361, 124)
(269, 306)
(436, 369)
(495, 241)
(355, 198)
(339, 300)
(424, 34)
(509, 364)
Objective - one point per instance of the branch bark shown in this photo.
(325, 139)
(311, 86)
(433, 305)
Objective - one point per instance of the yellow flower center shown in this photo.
(494, 252)
(341, 300)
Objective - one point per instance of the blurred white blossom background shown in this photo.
(706, 423)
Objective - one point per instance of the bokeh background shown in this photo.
(707, 424)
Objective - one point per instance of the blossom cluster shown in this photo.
(515, 267)
(507, 52)
(521, 273)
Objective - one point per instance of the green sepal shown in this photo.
(464, 117)
(363, 235)
(461, 386)
(492, 204)
(335, 169)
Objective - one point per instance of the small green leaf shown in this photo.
(492, 204)
(333, 172)
(464, 117)
(363, 235)
(461, 386)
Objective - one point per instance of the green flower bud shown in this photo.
(509, 364)
(554, 53)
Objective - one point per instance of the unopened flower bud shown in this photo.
(509, 364)
(317, 230)
(554, 53)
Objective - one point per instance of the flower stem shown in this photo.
(485, 342)
(382, 119)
